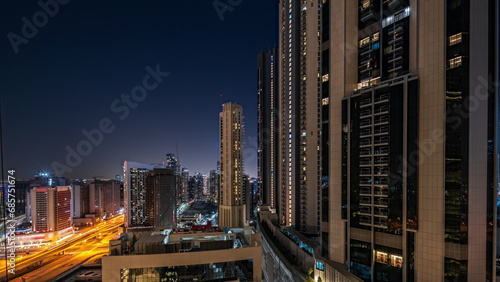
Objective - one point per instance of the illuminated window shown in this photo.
(325, 101)
(455, 39)
(396, 261)
(365, 3)
(320, 265)
(364, 41)
(325, 78)
(382, 257)
(455, 62)
(375, 37)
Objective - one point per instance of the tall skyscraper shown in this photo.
(299, 113)
(160, 190)
(405, 126)
(268, 133)
(150, 195)
(107, 197)
(134, 197)
(80, 199)
(196, 184)
(213, 184)
(51, 208)
(232, 197)
(183, 185)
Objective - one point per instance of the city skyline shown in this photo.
(84, 59)
(282, 140)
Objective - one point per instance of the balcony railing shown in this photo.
(381, 120)
(381, 130)
(365, 132)
(382, 109)
(365, 122)
(365, 191)
(365, 219)
(382, 140)
(365, 152)
(383, 97)
(366, 102)
(366, 113)
(381, 201)
(365, 162)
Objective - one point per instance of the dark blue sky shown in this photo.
(65, 78)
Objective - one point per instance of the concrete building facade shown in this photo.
(232, 211)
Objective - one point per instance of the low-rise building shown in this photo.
(193, 255)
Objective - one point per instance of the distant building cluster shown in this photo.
(95, 200)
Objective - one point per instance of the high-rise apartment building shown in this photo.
(107, 197)
(392, 103)
(51, 208)
(183, 185)
(149, 195)
(196, 185)
(134, 197)
(268, 122)
(299, 115)
(213, 184)
(160, 191)
(231, 194)
(80, 198)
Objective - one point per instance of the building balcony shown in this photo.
(396, 49)
(382, 141)
(381, 191)
(382, 130)
(365, 162)
(366, 70)
(365, 60)
(365, 172)
(365, 102)
(365, 132)
(365, 53)
(382, 160)
(365, 142)
(382, 98)
(364, 210)
(365, 201)
(365, 113)
(364, 219)
(381, 212)
(365, 181)
(396, 58)
(394, 3)
(397, 39)
(366, 191)
(382, 120)
(365, 123)
(394, 29)
(395, 67)
(367, 15)
(378, 201)
(380, 221)
(382, 110)
(381, 181)
(365, 152)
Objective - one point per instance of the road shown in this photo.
(80, 247)
(10, 221)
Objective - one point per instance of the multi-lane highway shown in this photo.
(69, 253)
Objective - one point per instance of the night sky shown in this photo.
(70, 76)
